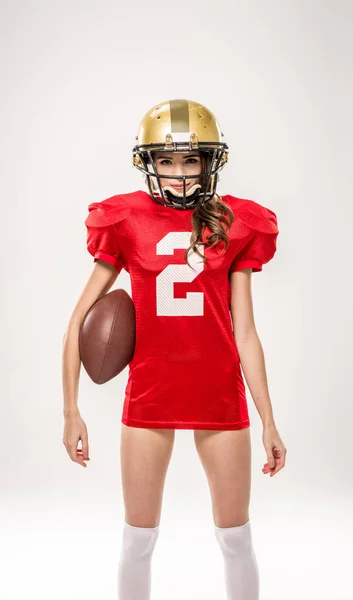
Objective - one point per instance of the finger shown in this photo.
(280, 459)
(267, 469)
(271, 460)
(278, 468)
(72, 450)
(84, 439)
(75, 455)
(79, 453)
(85, 449)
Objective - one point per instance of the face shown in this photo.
(178, 163)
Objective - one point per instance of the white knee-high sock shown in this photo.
(134, 571)
(240, 565)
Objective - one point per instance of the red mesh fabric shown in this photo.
(102, 239)
(261, 240)
(185, 372)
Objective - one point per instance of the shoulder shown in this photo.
(112, 209)
(253, 214)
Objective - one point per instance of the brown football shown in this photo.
(107, 336)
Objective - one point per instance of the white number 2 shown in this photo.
(167, 305)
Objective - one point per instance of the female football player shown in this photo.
(190, 254)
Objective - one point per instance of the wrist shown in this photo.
(268, 423)
(71, 412)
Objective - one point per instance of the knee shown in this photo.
(139, 542)
(228, 519)
(233, 540)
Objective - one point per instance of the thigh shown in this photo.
(226, 458)
(145, 455)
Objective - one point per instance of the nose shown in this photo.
(178, 170)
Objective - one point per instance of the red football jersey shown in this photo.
(185, 372)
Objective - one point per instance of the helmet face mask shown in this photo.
(197, 184)
(167, 128)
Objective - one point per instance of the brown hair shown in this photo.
(214, 214)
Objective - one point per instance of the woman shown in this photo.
(190, 254)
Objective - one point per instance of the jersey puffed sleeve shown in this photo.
(102, 234)
(261, 241)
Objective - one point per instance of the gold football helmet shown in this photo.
(180, 126)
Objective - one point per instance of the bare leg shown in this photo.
(226, 458)
(145, 456)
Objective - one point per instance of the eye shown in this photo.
(164, 161)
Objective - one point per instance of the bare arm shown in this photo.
(100, 281)
(249, 345)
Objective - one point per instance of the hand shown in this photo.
(275, 450)
(75, 430)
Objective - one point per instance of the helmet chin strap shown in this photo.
(176, 197)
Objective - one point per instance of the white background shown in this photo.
(76, 79)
